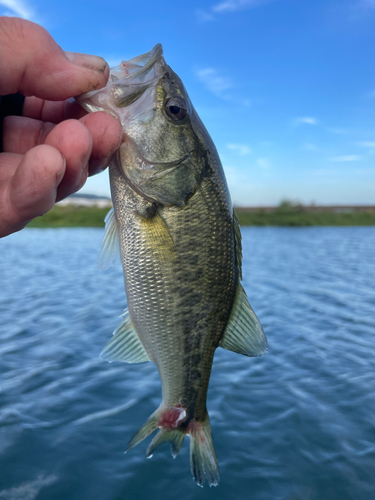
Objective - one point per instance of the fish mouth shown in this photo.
(132, 78)
(127, 82)
(137, 70)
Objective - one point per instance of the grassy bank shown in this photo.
(287, 214)
(71, 216)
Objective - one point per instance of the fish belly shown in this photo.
(180, 280)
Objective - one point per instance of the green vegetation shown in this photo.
(286, 214)
(71, 216)
(296, 214)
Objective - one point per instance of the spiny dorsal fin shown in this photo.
(110, 249)
(125, 344)
(244, 334)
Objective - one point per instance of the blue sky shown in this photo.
(286, 88)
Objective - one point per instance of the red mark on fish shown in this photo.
(171, 418)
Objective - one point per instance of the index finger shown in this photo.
(32, 63)
(52, 111)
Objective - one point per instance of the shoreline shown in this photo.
(287, 215)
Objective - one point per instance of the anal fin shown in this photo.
(125, 344)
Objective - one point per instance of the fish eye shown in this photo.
(176, 109)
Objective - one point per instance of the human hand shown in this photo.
(50, 150)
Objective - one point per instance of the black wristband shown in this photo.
(9, 105)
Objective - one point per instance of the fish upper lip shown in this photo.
(149, 59)
(127, 78)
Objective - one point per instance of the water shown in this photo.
(298, 423)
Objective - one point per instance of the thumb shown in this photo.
(32, 63)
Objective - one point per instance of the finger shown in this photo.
(71, 138)
(32, 190)
(8, 165)
(74, 142)
(35, 65)
(52, 111)
(106, 134)
(20, 134)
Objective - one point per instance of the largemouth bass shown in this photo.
(180, 247)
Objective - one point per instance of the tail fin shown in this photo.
(203, 462)
(167, 433)
(175, 437)
(146, 429)
(203, 459)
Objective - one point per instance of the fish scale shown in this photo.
(180, 247)
(176, 287)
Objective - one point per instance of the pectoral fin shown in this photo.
(125, 344)
(110, 249)
(244, 334)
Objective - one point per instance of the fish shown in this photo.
(180, 247)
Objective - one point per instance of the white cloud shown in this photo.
(366, 144)
(18, 8)
(228, 6)
(232, 175)
(241, 149)
(213, 81)
(310, 146)
(204, 16)
(263, 162)
(357, 10)
(366, 4)
(345, 158)
(337, 130)
(235, 5)
(309, 120)
(246, 102)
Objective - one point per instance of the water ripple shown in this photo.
(298, 423)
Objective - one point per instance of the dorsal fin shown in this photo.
(125, 344)
(110, 249)
(244, 334)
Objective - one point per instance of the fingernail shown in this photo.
(88, 61)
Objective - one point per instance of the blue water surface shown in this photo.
(298, 423)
